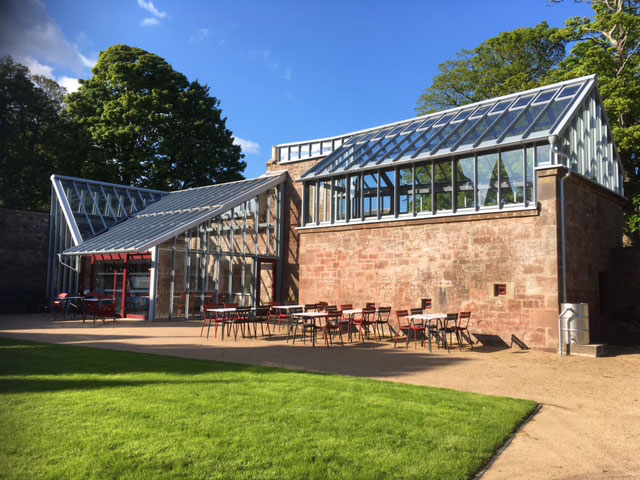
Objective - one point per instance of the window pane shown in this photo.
(511, 177)
(530, 175)
(443, 178)
(542, 155)
(324, 201)
(405, 182)
(423, 188)
(488, 180)
(370, 193)
(465, 195)
(311, 203)
(340, 198)
(354, 195)
(387, 180)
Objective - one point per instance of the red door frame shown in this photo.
(274, 264)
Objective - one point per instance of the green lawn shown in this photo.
(73, 412)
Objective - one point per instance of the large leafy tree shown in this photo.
(607, 44)
(35, 139)
(147, 125)
(512, 61)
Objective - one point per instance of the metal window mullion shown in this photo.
(96, 205)
(84, 210)
(415, 140)
(499, 180)
(526, 133)
(268, 219)
(172, 285)
(413, 189)
(498, 118)
(433, 187)
(508, 128)
(378, 199)
(188, 276)
(396, 192)
(332, 203)
(475, 183)
(454, 185)
(471, 128)
(244, 253)
(461, 123)
(133, 203)
(347, 198)
(316, 206)
(108, 200)
(435, 134)
(121, 202)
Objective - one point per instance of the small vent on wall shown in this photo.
(499, 290)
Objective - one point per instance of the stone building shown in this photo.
(507, 208)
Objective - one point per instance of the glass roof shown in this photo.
(92, 207)
(501, 121)
(173, 214)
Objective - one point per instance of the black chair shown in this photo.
(261, 316)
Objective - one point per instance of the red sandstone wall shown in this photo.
(593, 228)
(453, 261)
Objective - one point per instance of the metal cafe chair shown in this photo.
(364, 323)
(241, 318)
(449, 327)
(382, 319)
(208, 316)
(311, 307)
(332, 325)
(462, 328)
(261, 316)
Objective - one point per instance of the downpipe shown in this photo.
(563, 253)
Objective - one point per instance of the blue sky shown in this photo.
(283, 70)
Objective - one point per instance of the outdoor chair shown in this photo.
(463, 327)
(208, 316)
(239, 319)
(104, 308)
(311, 307)
(370, 305)
(416, 311)
(332, 325)
(332, 308)
(58, 306)
(406, 327)
(293, 322)
(382, 319)
(449, 327)
(321, 306)
(261, 316)
(364, 323)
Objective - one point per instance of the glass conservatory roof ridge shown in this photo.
(500, 121)
(173, 214)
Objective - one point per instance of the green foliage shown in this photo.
(149, 126)
(73, 412)
(33, 137)
(508, 63)
(607, 45)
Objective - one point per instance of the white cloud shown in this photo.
(150, 7)
(29, 34)
(287, 74)
(37, 68)
(200, 35)
(247, 146)
(149, 22)
(71, 84)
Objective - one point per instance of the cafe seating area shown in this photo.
(335, 324)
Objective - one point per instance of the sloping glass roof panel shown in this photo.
(505, 120)
(173, 214)
(92, 207)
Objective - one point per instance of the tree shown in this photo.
(33, 137)
(608, 45)
(512, 61)
(149, 126)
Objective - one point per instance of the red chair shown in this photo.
(102, 307)
(58, 307)
(333, 324)
(208, 316)
(463, 326)
(364, 322)
(405, 326)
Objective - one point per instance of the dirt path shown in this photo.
(588, 427)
